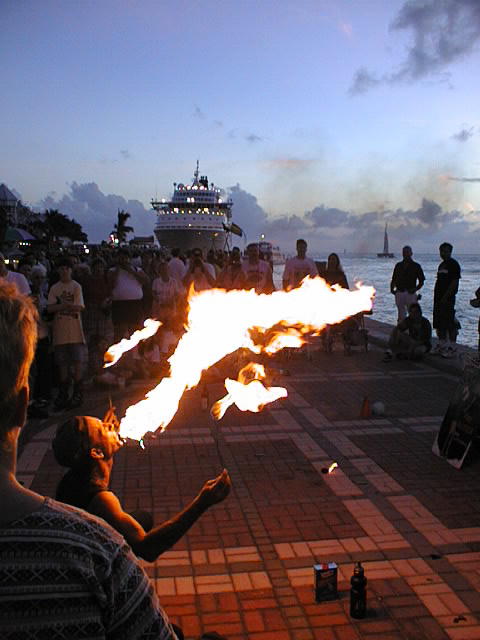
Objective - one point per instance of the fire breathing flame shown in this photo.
(220, 322)
(115, 352)
(248, 393)
(333, 466)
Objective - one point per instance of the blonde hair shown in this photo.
(18, 331)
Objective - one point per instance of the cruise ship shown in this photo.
(198, 215)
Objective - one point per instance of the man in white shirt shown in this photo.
(18, 279)
(298, 268)
(126, 283)
(176, 266)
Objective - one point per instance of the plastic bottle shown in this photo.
(358, 592)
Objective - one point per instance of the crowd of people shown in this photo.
(87, 302)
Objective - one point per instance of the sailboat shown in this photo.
(385, 253)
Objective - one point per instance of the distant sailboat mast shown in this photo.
(386, 253)
(385, 241)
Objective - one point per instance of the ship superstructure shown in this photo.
(198, 215)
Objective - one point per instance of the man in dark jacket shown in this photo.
(407, 279)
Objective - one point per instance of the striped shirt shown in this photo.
(65, 574)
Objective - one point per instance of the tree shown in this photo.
(120, 228)
(57, 225)
(4, 223)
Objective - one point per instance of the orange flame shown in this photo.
(220, 322)
(247, 395)
(115, 352)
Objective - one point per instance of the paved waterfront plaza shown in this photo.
(246, 568)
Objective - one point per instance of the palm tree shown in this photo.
(120, 228)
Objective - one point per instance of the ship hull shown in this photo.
(186, 240)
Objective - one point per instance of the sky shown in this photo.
(323, 119)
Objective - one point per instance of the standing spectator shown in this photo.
(176, 266)
(63, 572)
(18, 279)
(97, 317)
(200, 273)
(166, 291)
(475, 303)
(407, 279)
(42, 364)
(299, 267)
(126, 282)
(232, 276)
(65, 301)
(258, 273)
(446, 287)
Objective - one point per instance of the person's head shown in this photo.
(98, 267)
(407, 252)
(235, 256)
(253, 252)
(415, 311)
(25, 267)
(162, 268)
(83, 439)
(37, 277)
(211, 256)
(18, 331)
(301, 248)
(445, 250)
(123, 257)
(175, 252)
(333, 262)
(64, 268)
(197, 256)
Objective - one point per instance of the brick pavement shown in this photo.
(245, 569)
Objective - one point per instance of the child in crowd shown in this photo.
(65, 302)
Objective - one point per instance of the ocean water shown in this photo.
(377, 272)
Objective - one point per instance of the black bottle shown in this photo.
(358, 592)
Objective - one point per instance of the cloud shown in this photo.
(325, 228)
(252, 138)
(97, 212)
(198, 113)
(125, 153)
(442, 32)
(289, 163)
(463, 179)
(363, 81)
(464, 134)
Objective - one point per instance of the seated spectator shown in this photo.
(334, 273)
(63, 572)
(87, 446)
(411, 339)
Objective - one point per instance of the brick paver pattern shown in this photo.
(246, 568)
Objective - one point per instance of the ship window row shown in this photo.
(189, 211)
